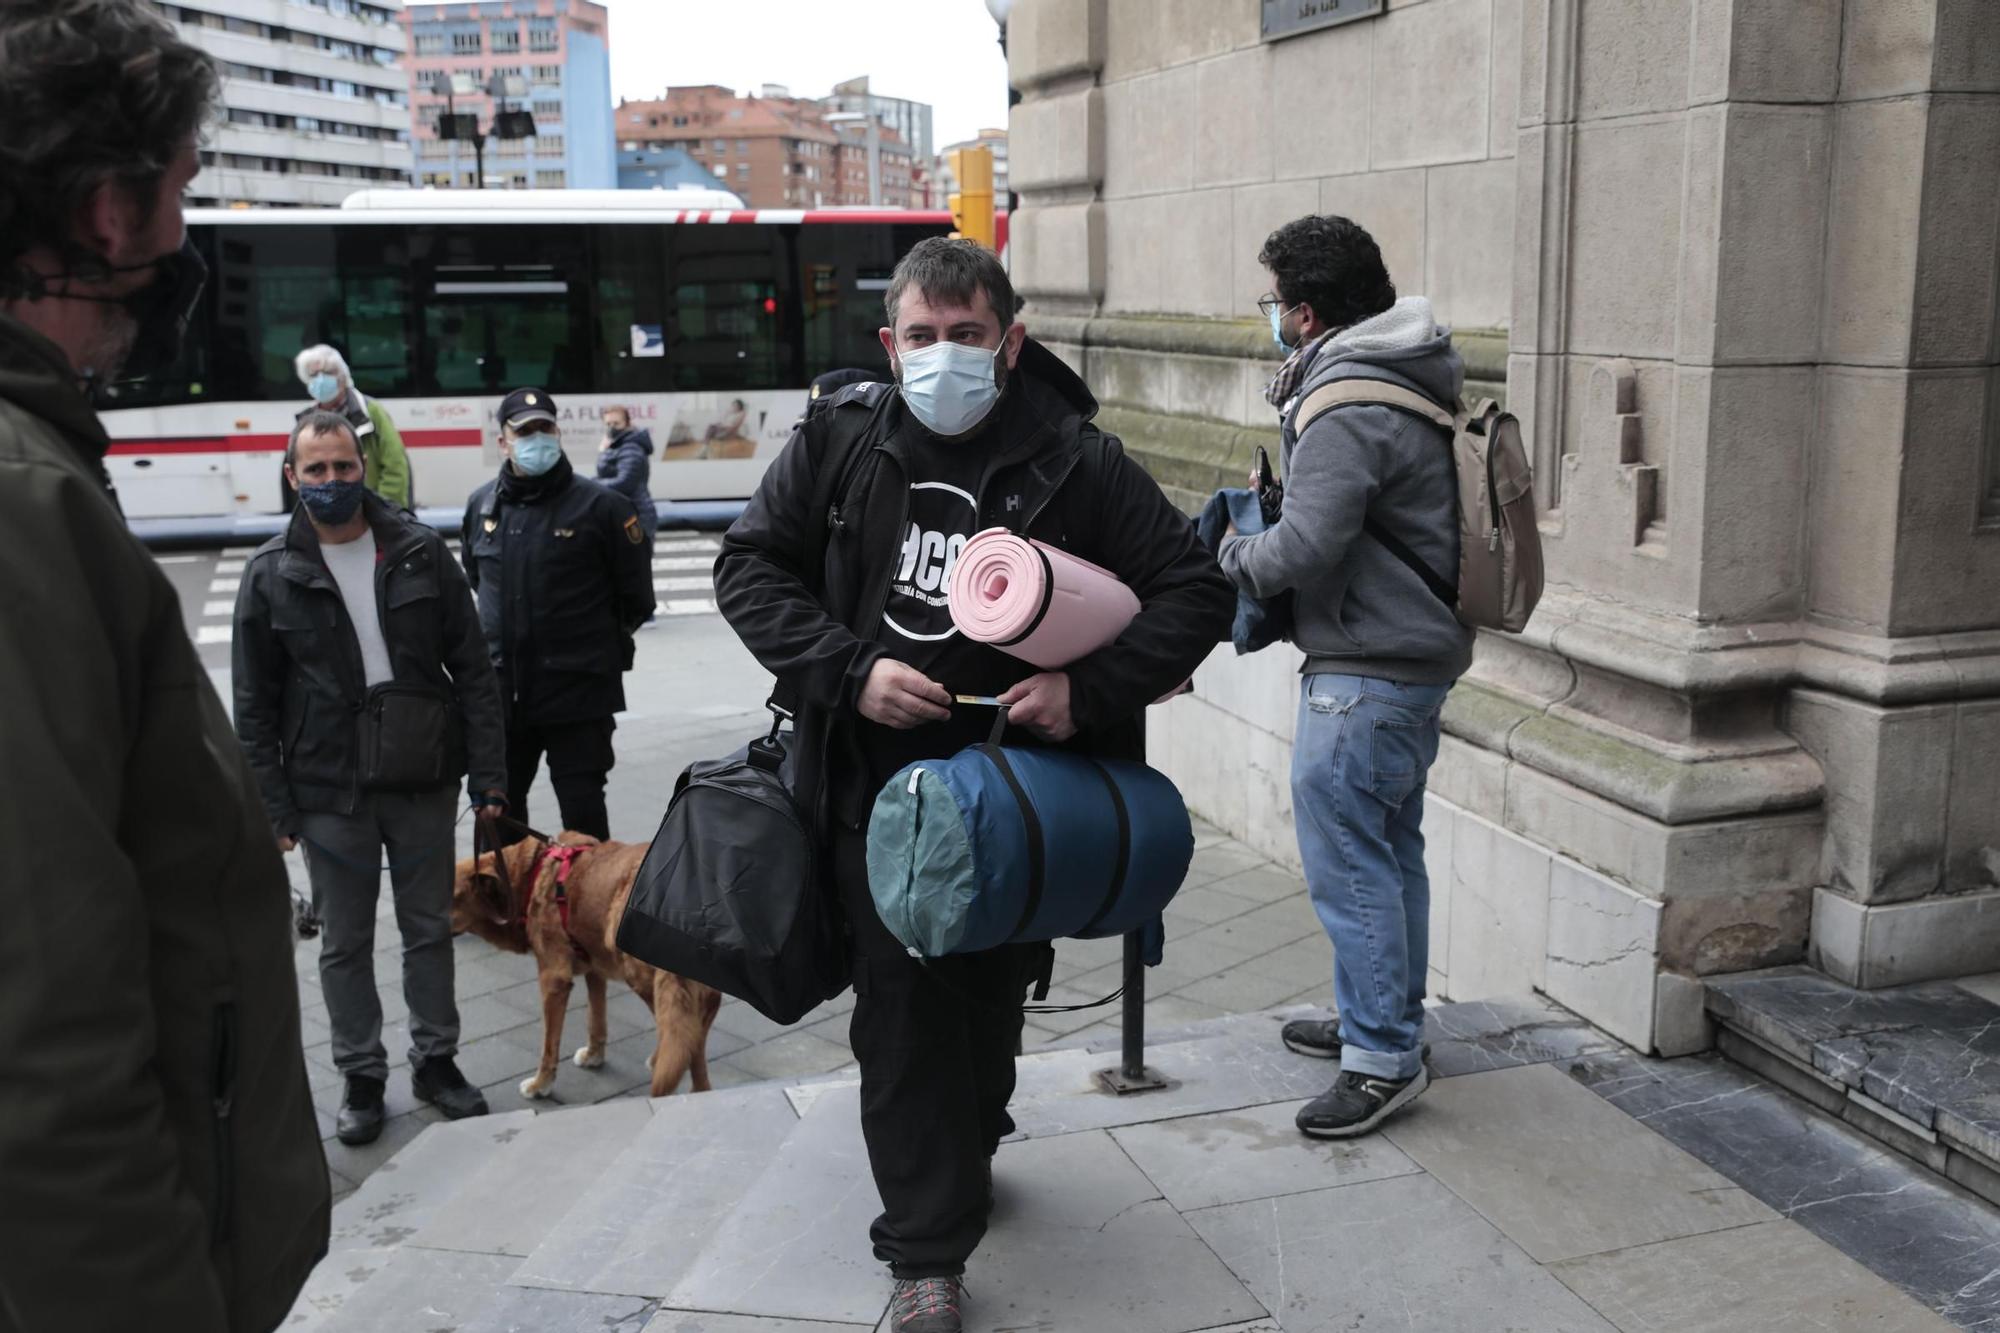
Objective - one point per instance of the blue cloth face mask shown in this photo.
(323, 387)
(331, 502)
(950, 387)
(536, 454)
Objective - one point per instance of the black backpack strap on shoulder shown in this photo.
(850, 431)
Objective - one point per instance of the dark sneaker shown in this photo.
(1317, 1037)
(1356, 1103)
(360, 1118)
(1320, 1038)
(439, 1083)
(926, 1305)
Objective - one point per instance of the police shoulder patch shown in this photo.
(633, 532)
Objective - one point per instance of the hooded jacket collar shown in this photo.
(36, 375)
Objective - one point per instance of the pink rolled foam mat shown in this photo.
(1035, 602)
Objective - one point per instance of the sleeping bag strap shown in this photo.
(999, 725)
(1124, 864)
(1037, 871)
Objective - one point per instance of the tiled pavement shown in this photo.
(1240, 936)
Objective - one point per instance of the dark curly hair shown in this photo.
(95, 91)
(1333, 265)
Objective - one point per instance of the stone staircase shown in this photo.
(1915, 1067)
(1196, 1208)
(748, 1208)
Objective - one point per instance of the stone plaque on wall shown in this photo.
(1289, 18)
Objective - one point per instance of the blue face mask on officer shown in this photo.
(950, 386)
(536, 451)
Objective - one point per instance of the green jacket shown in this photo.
(386, 466)
(160, 1164)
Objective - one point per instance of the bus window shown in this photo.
(844, 273)
(503, 307)
(277, 292)
(377, 336)
(630, 350)
(726, 321)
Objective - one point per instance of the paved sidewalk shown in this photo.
(1240, 937)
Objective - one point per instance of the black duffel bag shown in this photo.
(735, 891)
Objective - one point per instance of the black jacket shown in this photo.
(564, 577)
(1064, 482)
(299, 678)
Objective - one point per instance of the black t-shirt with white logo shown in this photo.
(943, 514)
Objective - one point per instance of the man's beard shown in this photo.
(109, 345)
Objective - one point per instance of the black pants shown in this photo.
(579, 758)
(936, 1044)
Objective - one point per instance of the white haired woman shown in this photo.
(386, 468)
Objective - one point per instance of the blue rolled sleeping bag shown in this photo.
(999, 845)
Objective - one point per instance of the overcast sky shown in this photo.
(945, 52)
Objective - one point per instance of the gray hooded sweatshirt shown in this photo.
(1357, 609)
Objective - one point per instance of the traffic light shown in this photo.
(972, 204)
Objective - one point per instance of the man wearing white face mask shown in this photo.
(562, 570)
(982, 428)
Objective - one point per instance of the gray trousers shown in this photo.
(344, 856)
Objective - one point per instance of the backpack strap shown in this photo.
(851, 416)
(1380, 393)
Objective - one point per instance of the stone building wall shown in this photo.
(1745, 254)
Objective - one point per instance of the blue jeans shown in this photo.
(1359, 758)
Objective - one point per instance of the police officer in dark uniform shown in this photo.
(560, 568)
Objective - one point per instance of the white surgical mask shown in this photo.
(951, 387)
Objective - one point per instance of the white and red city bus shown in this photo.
(706, 323)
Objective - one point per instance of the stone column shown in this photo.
(1734, 220)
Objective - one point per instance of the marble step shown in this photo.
(522, 1192)
(1916, 1067)
(637, 1229)
(402, 1195)
(372, 1226)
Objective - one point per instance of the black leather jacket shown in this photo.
(299, 678)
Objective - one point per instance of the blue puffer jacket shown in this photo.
(627, 468)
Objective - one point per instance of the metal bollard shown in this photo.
(1131, 1075)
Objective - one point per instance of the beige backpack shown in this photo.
(1499, 544)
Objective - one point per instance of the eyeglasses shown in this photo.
(1269, 302)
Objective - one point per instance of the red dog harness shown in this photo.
(565, 856)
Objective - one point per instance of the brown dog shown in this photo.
(488, 902)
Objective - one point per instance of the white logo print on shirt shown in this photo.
(921, 589)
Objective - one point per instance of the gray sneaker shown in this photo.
(927, 1305)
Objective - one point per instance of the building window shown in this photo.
(722, 145)
(542, 35)
(548, 143)
(549, 180)
(742, 145)
(465, 42)
(505, 39)
(546, 75)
